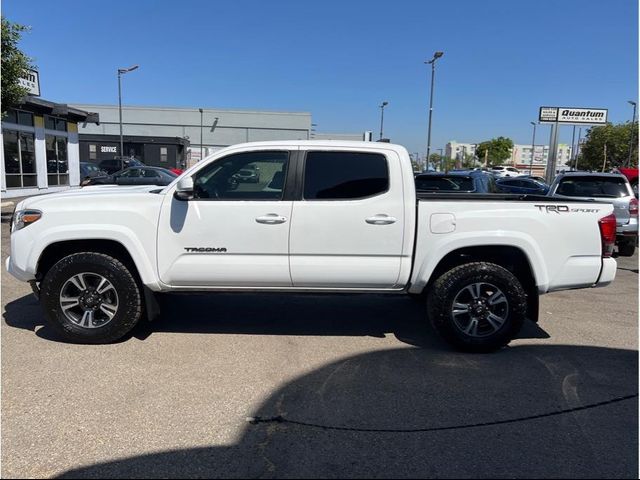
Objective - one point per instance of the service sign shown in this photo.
(31, 81)
(581, 116)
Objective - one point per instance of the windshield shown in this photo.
(445, 184)
(592, 186)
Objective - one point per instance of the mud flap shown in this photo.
(151, 305)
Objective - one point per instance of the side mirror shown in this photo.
(184, 189)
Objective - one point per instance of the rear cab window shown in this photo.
(344, 175)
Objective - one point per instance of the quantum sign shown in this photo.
(581, 116)
(31, 81)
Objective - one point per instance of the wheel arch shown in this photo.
(511, 258)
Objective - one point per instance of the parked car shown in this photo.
(526, 185)
(612, 188)
(504, 171)
(352, 222)
(116, 164)
(250, 173)
(632, 176)
(135, 176)
(90, 170)
(461, 181)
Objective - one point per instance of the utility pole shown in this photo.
(633, 132)
(384, 104)
(533, 147)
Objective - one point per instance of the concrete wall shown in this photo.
(220, 127)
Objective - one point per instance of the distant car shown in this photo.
(613, 188)
(632, 176)
(135, 176)
(504, 171)
(249, 173)
(465, 181)
(527, 185)
(116, 164)
(90, 170)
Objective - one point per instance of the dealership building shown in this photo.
(178, 137)
(40, 148)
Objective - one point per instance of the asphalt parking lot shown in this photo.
(365, 389)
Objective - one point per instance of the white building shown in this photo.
(520, 154)
(40, 151)
(457, 150)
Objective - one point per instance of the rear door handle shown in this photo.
(271, 219)
(381, 219)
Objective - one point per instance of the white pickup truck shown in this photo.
(324, 216)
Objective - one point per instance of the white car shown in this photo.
(503, 171)
(335, 217)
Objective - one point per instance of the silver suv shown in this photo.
(612, 188)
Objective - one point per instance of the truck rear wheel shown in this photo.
(477, 307)
(91, 298)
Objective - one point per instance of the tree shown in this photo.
(497, 150)
(14, 65)
(617, 139)
(435, 160)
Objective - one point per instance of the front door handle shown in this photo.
(381, 219)
(271, 219)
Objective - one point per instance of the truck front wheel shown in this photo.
(477, 307)
(91, 298)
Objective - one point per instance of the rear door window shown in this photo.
(344, 175)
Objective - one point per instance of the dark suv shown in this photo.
(464, 181)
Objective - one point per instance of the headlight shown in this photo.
(22, 218)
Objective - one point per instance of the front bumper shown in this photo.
(18, 273)
(608, 273)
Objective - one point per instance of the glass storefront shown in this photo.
(57, 160)
(19, 159)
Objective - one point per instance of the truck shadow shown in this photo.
(388, 405)
(273, 314)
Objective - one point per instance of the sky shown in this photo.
(339, 60)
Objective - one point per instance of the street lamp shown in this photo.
(122, 71)
(384, 104)
(533, 147)
(633, 130)
(431, 62)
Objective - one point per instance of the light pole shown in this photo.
(533, 147)
(122, 71)
(633, 130)
(431, 62)
(201, 145)
(441, 159)
(384, 104)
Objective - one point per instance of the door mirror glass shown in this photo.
(184, 189)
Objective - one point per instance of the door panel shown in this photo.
(233, 233)
(348, 242)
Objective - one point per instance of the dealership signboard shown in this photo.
(573, 116)
(31, 81)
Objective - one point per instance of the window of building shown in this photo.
(163, 154)
(19, 159)
(57, 161)
(93, 152)
(344, 175)
(19, 117)
(53, 123)
(244, 176)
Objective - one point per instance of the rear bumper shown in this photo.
(628, 229)
(608, 273)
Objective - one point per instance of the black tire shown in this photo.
(129, 298)
(443, 292)
(627, 248)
